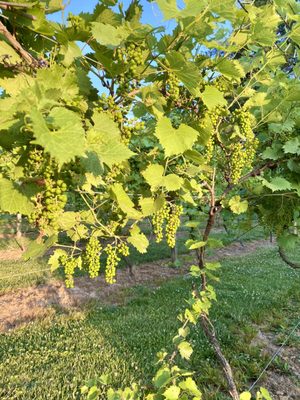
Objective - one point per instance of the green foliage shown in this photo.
(216, 124)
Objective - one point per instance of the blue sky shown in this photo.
(151, 14)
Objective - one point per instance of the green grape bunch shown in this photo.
(173, 223)
(158, 221)
(49, 204)
(168, 215)
(69, 264)
(114, 253)
(172, 86)
(92, 256)
(131, 56)
(242, 152)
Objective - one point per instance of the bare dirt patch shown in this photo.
(20, 306)
(281, 386)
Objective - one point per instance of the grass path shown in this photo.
(52, 358)
(18, 306)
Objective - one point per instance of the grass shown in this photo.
(51, 359)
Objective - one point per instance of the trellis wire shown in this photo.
(274, 356)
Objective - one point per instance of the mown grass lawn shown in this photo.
(51, 359)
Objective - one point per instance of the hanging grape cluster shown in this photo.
(51, 200)
(131, 56)
(70, 264)
(173, 223)
(172, 86)
(113, 258)
(242, 152)
(168, 215)
(92, 256)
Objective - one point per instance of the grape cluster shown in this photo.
(133, 127)
(69, 264)
(172, 86)
(168, 215)
(108, 104)
(113, 173)
(218, 113)
(243, 151)
(220, 84)
(75, 21)
(35, 162)
(92, 256)
(173, 223)
(158, 221)
(131, 57)
(49, 203)
(113, 258)
(209, 151)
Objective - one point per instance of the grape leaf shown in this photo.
(109, 148)
(190, 386)
(237, 206)
(175, 141)
(105, 139)
(6, 50)
(276, 184)
(292, 146)
(12, 200)
(109, 35)
(153, 174)
(212, 97)
(172, 393)
(185, 350)
(231, 68)
(185, 71)
(124, 201)
(57, 131)
(138, 239)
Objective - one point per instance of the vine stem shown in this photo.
(16, 45)
(206, 324)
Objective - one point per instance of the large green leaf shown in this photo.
(60, 133)
(185, 71)
(124, 202)
(38, 248)
(277, 184)
(230, 68)
(103, 123)
(237, 205)
(105, 139)
(110, 149)
(7, 51)
(175, 141)
(292, 146)
(12, 200)
(109, 35)
(154, 175)
(212, 97)
(170, 10)
(138, 239)
(190, 386)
